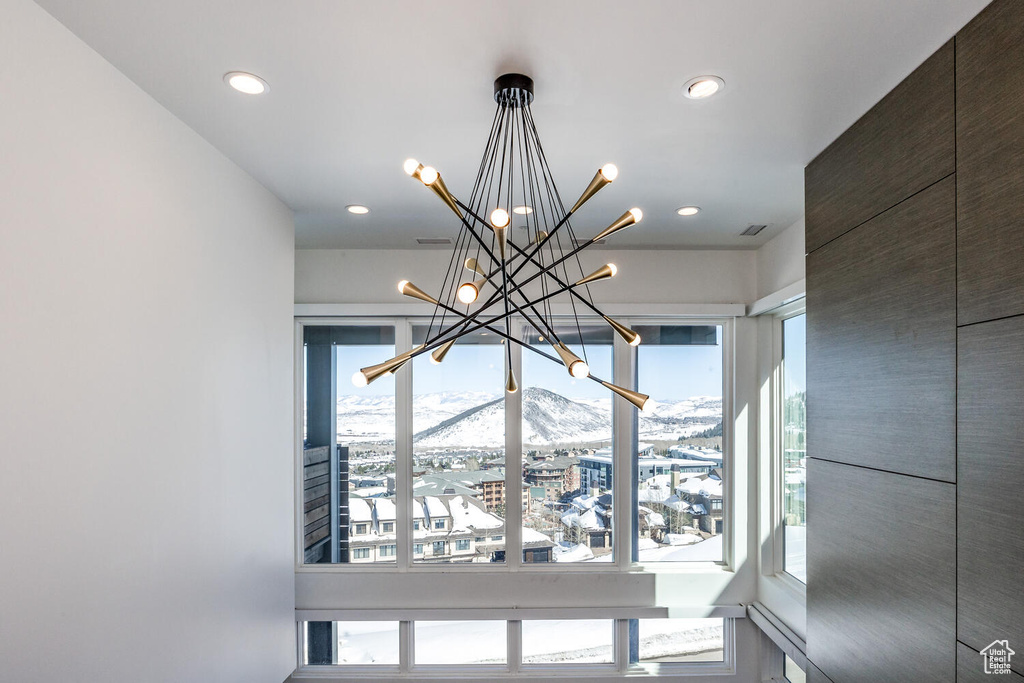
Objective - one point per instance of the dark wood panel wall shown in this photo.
(915, 305)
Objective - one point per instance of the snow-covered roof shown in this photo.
(466, 515)
(384, 509)
(435, 508)
(359, 510)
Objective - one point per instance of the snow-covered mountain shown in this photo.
(477, 419)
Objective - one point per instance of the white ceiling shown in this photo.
(357, 87)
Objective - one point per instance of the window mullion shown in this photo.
(513, 459)
(624, 439)
(403, 448)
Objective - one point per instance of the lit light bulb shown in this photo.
(500, 218)
(428, 175)
(703, 88)
(434, 361)
(359, 379)
(410, 166)
(401, 286)
(468, 293)
(614, 268)
(579, 369)
(688, 210)
(638, 215)
(610, 172)
(635, 341)
(522, 210)
(249, 84)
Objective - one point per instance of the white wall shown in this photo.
(369, 275)
(145, 384)
(780, 262)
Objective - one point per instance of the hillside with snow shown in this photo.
(477, 419)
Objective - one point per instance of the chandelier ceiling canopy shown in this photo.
(487, 280)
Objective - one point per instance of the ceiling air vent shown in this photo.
(753, 230)
(434, 240)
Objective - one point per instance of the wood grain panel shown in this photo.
(881, 340)
(881, 575)
(990, 470)
(990, 163)
(970, 668)
(901, 146)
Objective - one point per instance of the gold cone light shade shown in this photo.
(409, 289)
(627, 219)
(510, 383)
(502, 235)
(634, 397)
(604, 175)
(374, 372)
(573, 363)
(603, 273)
(441, 190)
(631, 337)
(474, 265)
(440, 352)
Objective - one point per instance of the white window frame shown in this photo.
(684, 582)
(781, 593)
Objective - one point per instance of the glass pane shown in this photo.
(361, 642)
(793, 673)
(459, 452)
(794, 444)
(680, 473)
(681, 640)
(567, 451)
(461, 642)
(349, 449)
(569, 641)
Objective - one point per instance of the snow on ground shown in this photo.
(568, 641)
(667, 639)
(682, 539)
(567, 552)
(368, 642)
(555, 641)
(705, 551)
(461, 642)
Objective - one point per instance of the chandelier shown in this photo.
(490, 269)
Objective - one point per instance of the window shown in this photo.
(478, 642)
(436, 444)
(794, 444)
(679, 640)
(349, 444)
(575, 641)
(681, 469)
(371, 643)
(792, 672)
(567, 446)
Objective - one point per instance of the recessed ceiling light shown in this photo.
(357, 209)
(522, 210)
(702, 86)
(688, 210)
(246, 83)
